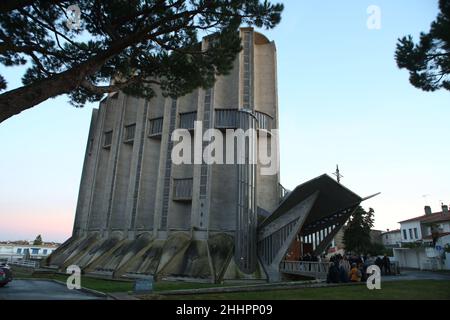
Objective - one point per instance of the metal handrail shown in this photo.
(311, 268)
(24, 263)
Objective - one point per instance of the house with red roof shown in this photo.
(422, 228)
(425, 241)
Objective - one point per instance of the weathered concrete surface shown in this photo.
(192, 261)
(71, 250)
(221, 252)
(42, 290)
(148, 262)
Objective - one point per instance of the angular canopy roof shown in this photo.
(332, 198)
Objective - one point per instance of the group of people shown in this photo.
(309, 257)
(352, 268)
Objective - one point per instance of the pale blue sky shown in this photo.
(342, 99)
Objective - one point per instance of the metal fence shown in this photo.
(229, 119)
(264, 121)
(226, 118)
(24, 263)
(317, 270)
(182, 189)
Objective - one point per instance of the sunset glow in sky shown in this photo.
(342, 100)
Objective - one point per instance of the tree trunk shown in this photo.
(15, 101)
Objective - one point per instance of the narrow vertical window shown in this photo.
(155, 127)
(130, 131)
(107, 139)
(187, 120)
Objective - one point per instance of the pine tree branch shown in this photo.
(10, 5)
(88, 85)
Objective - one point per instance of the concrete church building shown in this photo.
(139, 213)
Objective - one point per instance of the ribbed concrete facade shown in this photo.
(138, 212)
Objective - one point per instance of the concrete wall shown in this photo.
(111, 115)
(223, 198)
(150, 169)
(266, 101)
(265, 78)
(87, 177)
(226, 89)
(180, 212)
(410, 258)
(119, 215)
(419, 258)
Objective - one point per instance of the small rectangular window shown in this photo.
(44, 251)
(182, 189)
(404, 234)
(155, 127)
(130, 131)
(416, 236)
(410, 233)
(34, 251)
(107, 139)
(187, 120)
(19, 250)
(227, 118)
(91, 145)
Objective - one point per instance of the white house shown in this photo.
(12, 252)
(392, 238)
(424, 239)
(420, 228)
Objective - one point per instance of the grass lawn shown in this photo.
(406, 290)
(105, 285)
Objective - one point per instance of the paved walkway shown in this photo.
(42, 290)
(32, 289)
(417, 275)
